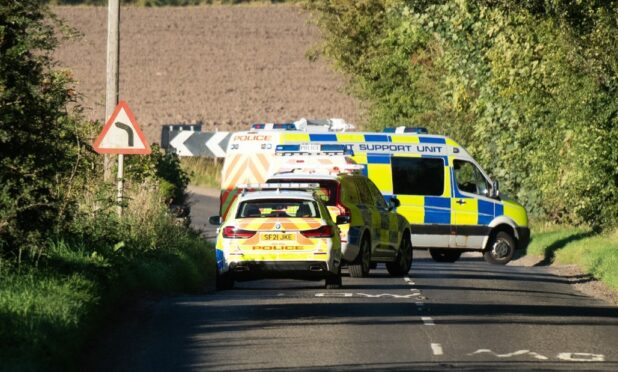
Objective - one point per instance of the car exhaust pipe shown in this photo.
(315, 268)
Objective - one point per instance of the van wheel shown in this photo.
(444, 255)
(401, 266)
(224, 281)
(500, 249)
(361, 265)
(334, 281)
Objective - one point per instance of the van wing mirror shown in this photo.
(215, 220)
(393, 203)
(343, 220)
(495, 190)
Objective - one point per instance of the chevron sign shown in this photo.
(193, 143)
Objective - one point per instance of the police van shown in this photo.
(450, 202)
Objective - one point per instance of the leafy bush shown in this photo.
(530, 88)
(42, 147)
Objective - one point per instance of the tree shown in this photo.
(40, 139)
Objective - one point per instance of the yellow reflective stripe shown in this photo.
(447, 182)
(294, 137)
(349, 137)
(450, 142)
(517, 213)
(404, 139)
(360, 158)
(382, 176)
(412, 208)
(464, 214)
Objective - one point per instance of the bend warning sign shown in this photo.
(121, 134)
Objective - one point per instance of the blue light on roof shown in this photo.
(286, 126)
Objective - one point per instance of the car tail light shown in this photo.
(233, 233)
(321, 232)
(343, 210)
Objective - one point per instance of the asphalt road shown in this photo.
(466, 315)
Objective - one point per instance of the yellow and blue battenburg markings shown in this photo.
(418, 209)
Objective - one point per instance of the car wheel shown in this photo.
(224, 281)
(401, 266)
(361, 265)
(334, 281)
(444, 255)
(500, 249)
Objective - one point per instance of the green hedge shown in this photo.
(530, 88)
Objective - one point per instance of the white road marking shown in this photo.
(427, 320)
(386, 295)
(334, 294)
(408, 280)
(437, 349)
(280, 294)
(508, 355)
(364, 295)
(581, 357)
(414, 290)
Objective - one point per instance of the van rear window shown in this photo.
(327, 188)
(417, 176)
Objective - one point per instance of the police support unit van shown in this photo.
(450, 202)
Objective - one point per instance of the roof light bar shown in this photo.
(402, 129)
(275, 186)
(274, 126)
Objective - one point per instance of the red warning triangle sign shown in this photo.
(121, 134)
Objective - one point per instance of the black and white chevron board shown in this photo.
(189, 140)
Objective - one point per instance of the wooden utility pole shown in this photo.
(113, 57)
(111, 96)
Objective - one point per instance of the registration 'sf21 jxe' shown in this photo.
(275, 233)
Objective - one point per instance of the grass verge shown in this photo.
(47, 312)
(596, 254)
(204, 172)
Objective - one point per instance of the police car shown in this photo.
(278, 231)
(371, 230)
(450, 202)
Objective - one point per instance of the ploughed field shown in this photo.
(223, 66)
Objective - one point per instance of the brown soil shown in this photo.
(224, 66)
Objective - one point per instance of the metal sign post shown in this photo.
(120, 183)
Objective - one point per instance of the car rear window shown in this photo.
(327, 188)
(288, 208)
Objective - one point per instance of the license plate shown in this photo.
(272, 237)
(310, 147)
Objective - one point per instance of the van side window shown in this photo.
(418, 176)
(378, 199)
(363, 191)
(469, 178)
